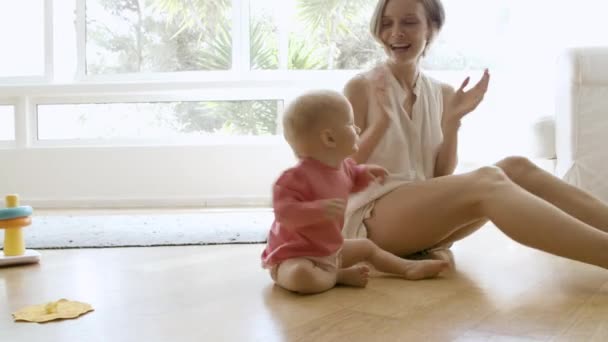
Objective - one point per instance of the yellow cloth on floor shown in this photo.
(61, 309)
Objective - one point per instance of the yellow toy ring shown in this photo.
(16, 222)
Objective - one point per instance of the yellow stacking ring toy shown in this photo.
(13, 219)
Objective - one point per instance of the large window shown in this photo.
(236, 58)
(205, 81)
(311, 35)
(266, 39)
(133, 36)
(178, 35)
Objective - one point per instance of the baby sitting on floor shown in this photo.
(306, 252)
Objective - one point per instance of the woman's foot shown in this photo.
(441, 253)
(353, 276)
(423, 269)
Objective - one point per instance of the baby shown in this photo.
(306, 252)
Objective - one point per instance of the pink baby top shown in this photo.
(300, 227)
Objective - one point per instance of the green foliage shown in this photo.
(204, 15)
(182, 35)
(302, 56)
(333, 25)
(218, 55)
(235, 117)
(264, 54)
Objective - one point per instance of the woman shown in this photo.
(410, 125)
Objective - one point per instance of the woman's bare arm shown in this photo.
(457, 104)
(447, 157)
(356, 91)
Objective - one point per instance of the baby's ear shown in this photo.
(327, 138)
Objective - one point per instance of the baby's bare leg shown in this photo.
(359, 250)
(304, 276)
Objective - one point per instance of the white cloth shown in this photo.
(408, 148)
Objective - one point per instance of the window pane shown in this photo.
(332, 35)
(264, 33)
(22, 38)
(463, 45)
(7, 123)
(157, 120)
(131, 36)
(516, 34)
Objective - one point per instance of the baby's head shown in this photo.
(320, 124)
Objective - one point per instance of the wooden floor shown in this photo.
(500, 292)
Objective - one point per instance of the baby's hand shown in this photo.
(334, 208)
(377, 173)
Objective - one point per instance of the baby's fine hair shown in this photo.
(308, 112)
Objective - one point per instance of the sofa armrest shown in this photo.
(581, 120)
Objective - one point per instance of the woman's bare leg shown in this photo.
(422, 214)
(409, 219)
(442, 251)
(462, 232)
(570, 199)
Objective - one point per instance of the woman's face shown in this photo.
(404, 30)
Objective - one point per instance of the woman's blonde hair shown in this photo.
(435, 16)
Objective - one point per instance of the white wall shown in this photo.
(143, 176)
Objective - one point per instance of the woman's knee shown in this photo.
(489, 179)
(490, 175)
(490, 185)
(516, 166)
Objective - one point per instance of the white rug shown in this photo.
(148, 229)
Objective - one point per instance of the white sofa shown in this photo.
(581, 120)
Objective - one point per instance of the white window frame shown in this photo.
(47, 28)
(4, 144)
(69, 166)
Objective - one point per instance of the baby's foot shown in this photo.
(423, 269)
(354, 276)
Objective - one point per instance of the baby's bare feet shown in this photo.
(423, 269)
(353, 276)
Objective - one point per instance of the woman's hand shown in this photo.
(463, 102)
